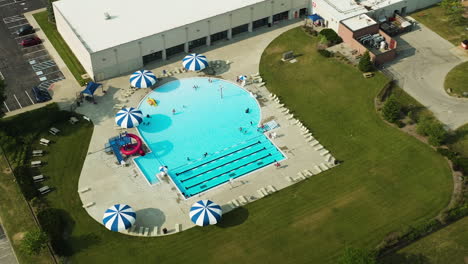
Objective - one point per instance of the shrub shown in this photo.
(437, 134)
(365, 63)
(330, 36)
(25, 182)
(423, 126)
(325, 53)
(447, 153)
(457, 213)
(53, 223)
(357, 256)
(460, 164)
(413, 116)
(391, 109)
(33, 242)
(400, 124)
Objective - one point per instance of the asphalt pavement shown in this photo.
(22, 67)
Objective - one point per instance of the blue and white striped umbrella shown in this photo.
(195, 62)
(205, 212)
(242, 77)
(119, 217)
(129, 117)
(142, 79)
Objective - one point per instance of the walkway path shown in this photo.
(7, 256)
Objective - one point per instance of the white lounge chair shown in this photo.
(235, 202)
(271, 188)
(323, 166)
(86, 118)
(147, 233)
(264, 191)
(317, 169)
(307, 173)
(178, 227)
(324, 152)
(88, 204)
(318, 147)
(260, 193)
(243, 199)
(84, 190)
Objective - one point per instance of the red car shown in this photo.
(28, 42)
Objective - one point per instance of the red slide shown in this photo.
(131, 148)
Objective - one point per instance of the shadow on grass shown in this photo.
(405, 258)
(234, 218)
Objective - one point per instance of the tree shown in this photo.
(33, 242)
(357, 256)
(391, 110)
(365, 63)
(50, 11)
(437, 134)
(454, 10)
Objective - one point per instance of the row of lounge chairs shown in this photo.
(147, 231)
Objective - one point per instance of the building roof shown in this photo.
(135, 19)
(358, 22)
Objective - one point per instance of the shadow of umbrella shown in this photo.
(234, 218)
(150, 217)
(216, 67)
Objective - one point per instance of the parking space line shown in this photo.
(51, 73)
(35, 58)
(29, 97)
(14, 33)
(15, 2)
(33, 52)
(17, 101)
(6, 106)
(11, 19)
(18, 26)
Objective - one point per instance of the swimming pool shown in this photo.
(205, 135)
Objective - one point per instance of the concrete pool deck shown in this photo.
(161, 206)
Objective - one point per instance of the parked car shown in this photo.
(25, 30)
(32, 41)
(41, 94)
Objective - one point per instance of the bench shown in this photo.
(368, 74)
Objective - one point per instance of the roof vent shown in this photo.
(107, 16)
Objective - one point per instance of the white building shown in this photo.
(334, 11)
(113, 37)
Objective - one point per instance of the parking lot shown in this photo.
(22, 67)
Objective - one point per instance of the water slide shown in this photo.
(131, 149)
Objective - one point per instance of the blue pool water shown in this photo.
(203, 123)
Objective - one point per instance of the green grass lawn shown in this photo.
(388, 180)
(435, 19)
(60, 45)
(15, 215)
(457, 79)
(448, 245)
